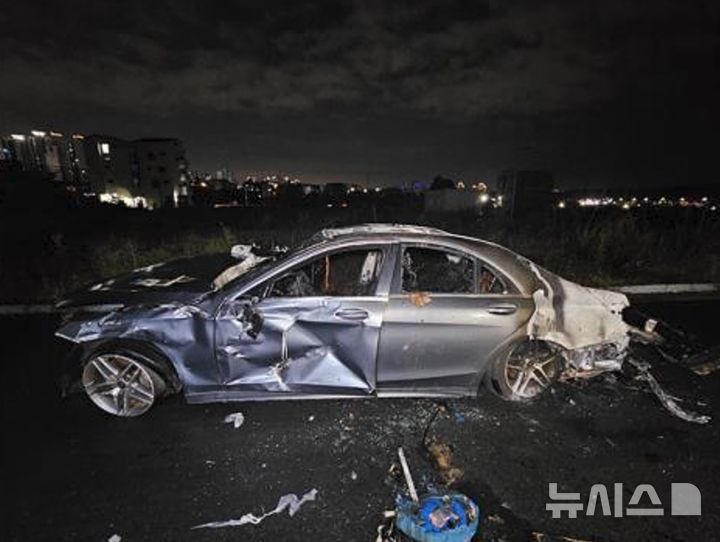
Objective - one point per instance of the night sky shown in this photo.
(604, 93)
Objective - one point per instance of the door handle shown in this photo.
(502, 308)
(352, 313)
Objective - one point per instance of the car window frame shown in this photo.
(268, 284)
(382, 287)
(478, 262)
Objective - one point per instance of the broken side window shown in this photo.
(437, 271)
(350, 273)
(489, 282)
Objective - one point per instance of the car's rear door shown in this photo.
(447, 313)
(315, 329)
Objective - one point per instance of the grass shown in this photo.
(45, 255)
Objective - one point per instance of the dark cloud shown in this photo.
(263, 72)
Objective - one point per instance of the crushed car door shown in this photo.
(313, 329)
(447, 312)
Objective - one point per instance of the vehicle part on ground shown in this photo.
(121, 385)
(289, 502)
(668, 401)
(530, 368)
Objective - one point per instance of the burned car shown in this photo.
(366, 311)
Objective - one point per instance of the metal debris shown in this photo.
(669, 402)
(291, 502)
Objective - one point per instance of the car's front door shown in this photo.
(447, 313)
(312, 329)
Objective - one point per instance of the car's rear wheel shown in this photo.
(529, 369)
(121, 384)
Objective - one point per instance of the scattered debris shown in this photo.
(494, 518)
(236, 418)
(704, 369)
(439, 452)
(386, 529)
(289, 502)
(542, 537)
(442, 455)
(669, 402)
(408, 477)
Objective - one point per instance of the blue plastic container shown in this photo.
(415, 519)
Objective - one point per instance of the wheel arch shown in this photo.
(489, 377)
(147, 352)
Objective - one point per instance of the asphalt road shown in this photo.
(73, 473)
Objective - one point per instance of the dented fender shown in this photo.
(182, 333)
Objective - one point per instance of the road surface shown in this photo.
(72, 472)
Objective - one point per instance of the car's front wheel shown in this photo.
(529, 369)
(121, 384)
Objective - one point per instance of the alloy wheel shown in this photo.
(119, 385)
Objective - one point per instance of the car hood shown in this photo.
(180, 281)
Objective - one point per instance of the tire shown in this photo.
(529, 368)
(122, 382)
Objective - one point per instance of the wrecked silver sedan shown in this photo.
(375, 310)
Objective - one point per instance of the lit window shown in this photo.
(104, 149)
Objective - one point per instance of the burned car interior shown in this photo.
(344, 273)
(372, 310)
(427, 269)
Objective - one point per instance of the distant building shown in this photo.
(142, 173)
(447, 196)
(526, 193)
(50, 153)
(147, 173)
(160, 171)
(214, 192)
(37, 152)
(77, 162)
(110, 169)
